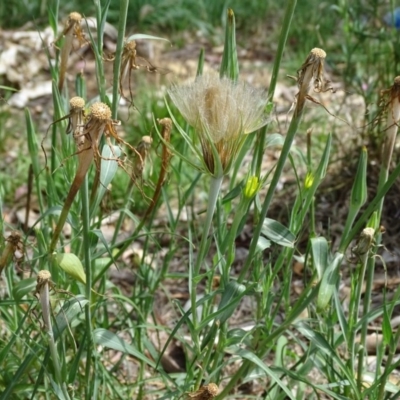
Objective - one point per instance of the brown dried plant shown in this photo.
(166, 155)
(130, 61)
(72, 30)
(206, 392)
(87, 137)
(390, 100)
(142, 150)
(76, 122)
(13, 244)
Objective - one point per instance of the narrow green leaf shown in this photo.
(24, 287)
(232, 294)
(319, 248)
(110, 340)
(329, 282)
(68, 313)
(386, 326)
(359, 190)
(229, 64)
(138, 36)
(278, 233)
(268, 371)
(200, 63)
(108, 169)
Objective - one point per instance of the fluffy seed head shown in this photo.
(76, 103)
(222, 112)
(100, 111)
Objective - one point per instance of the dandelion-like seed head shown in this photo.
(100, 111)
(76, 103)
(222, 113)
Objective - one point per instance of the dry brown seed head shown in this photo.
(147, 140)
(43, 275)
(318, 52)
(206, 392)
(74, 17)
(100, 111)
(76, 103)
(130, 46)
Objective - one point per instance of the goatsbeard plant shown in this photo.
(222, 112)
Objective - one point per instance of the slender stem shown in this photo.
(294, 124)
(88, 271)
(45, 303)
(215, 186)
(123, 13)
(291, 5)
(353, 323)
(98, 52)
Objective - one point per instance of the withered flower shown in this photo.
(72, 29)
(206, 392)
(222, 113)
(77, 120)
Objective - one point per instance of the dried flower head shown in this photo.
(13, 244)
(222, 113)
(77, 121)
(72, 29)
(206, 392)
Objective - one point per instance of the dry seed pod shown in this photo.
(43, 278)
(72, 29)
(77, 121)
(365, 242)
(206, 392)
(131, 61)
(14, 243)
(393, 117)
(142, 150)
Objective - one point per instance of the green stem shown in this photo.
(353, 322)
(294, 124)
(215, 186)
(88, 272)
(123, 13)
(291, 5)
